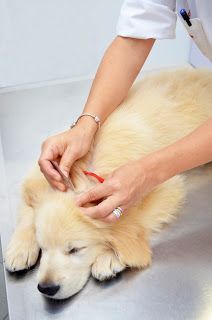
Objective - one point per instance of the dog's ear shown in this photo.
(33, 190)
(132, 250)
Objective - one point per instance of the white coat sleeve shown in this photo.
(144, 19)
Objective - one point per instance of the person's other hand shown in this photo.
(124, 188)
(66, 148)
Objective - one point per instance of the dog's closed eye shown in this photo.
(75, 250)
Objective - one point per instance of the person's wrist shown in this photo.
(164, 165)
(87, 125)
(156, 168)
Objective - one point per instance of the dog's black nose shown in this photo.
(48, 288)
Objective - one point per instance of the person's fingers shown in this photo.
(55, 184)
(49, 152)
(70, 155)
(48, 170)
(101, 210)
(111, 218)
(96, 193)
(59, 186)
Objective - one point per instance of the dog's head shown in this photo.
(70, 243)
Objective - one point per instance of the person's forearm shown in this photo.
(119, 67)
(189, 152)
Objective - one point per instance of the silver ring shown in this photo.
(117, 212)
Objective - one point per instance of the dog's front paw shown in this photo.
(22, 252)
(106, 266)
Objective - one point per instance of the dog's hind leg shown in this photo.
(107, 266)
(23, 250)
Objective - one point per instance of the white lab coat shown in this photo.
(156, 19)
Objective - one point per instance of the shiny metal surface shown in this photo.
(3, 295)
(179, 283)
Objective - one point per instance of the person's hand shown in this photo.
(124, 188)
(66, 148)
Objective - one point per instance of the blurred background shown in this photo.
(44, 42)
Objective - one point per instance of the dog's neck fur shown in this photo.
(81, 181)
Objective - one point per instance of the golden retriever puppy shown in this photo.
(159, 110)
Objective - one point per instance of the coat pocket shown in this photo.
(199, 36)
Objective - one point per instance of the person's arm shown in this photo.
(189, 152)
(137, 178)
(119, 67)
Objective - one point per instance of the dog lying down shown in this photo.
(159, 110)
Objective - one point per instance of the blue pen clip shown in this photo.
(185, 16)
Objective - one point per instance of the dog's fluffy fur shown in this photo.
(159, 110)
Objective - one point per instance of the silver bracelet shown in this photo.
(95, 117)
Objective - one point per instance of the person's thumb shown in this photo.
(67, 161)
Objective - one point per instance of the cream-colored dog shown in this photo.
(158, 111)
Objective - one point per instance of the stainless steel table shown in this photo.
(179, 283)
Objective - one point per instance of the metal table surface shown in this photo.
(179, 283)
